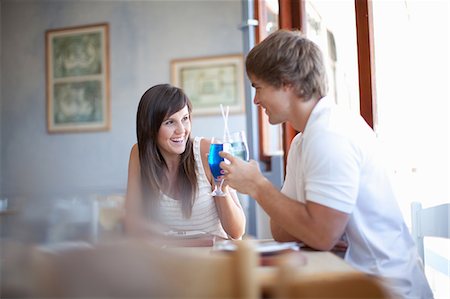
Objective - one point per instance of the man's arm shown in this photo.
(280, 234)
(316, 225)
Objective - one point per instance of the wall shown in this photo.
(1, 104)
(144, 37)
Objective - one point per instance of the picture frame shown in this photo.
(77, 74)
(211, 81)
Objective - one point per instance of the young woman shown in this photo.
(169, 180)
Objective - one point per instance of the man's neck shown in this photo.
(301, 113)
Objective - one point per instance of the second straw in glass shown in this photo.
(239, 146)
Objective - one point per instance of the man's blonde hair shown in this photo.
(287, 57)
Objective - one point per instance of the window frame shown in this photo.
(292, 15)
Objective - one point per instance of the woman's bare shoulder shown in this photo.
(204, 146)
(134, 149)
(134, 153)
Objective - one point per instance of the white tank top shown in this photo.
(204, 212)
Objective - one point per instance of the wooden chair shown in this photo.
(429, 222)
(137, 269)
(342, 285)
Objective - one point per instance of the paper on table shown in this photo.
(263, 247)
(185, 234)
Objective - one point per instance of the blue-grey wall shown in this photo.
(1, 104)
(144, 37)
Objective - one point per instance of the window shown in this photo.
(411, 63)
(331, 25)
(270, 135)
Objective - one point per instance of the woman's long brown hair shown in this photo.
(157, 103)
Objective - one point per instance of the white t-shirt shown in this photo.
(336, 163)
(204, 212)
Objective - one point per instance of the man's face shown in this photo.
(274, 101)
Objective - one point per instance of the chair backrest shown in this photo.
(137, 269)
(332, 285)
(429, 222)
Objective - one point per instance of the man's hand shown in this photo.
(240, 175)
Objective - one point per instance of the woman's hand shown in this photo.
(229, 208)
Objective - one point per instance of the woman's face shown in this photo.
(174, 132)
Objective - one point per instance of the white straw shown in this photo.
(226, 132)
(226, 119)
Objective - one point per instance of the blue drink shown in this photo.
(214, 159)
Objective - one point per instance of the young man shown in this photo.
(335, 182)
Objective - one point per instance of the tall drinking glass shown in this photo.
(217, 145)
(239, 145)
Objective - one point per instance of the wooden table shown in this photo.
(317, 262)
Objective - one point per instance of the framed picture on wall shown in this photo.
(211, 81)
(77, 61)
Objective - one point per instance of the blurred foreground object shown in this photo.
(109, 214)
(133, 268)
(332, 285)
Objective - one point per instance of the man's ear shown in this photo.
(286, 86)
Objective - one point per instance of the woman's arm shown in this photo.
(229, 208)
(136, 224)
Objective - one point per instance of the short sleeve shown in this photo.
(290, 181)
(332, 171)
